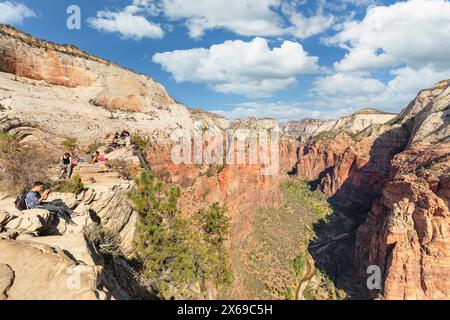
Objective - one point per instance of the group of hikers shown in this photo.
(70, 161)
(117, 141)
(36, 197)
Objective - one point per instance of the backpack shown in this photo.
(20, 202)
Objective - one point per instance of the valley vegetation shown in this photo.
(279, 265)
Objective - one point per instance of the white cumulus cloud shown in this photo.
(250, 68)
(265, 18)
(303, 26)
(347, 84)
(415, 33)
(361, 90)
(244, 17)
(407, 42)
(12, 12)
(130, 23)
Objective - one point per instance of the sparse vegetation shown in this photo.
(325, 135)
(93, 147)
(139, 142)
(21, 165)
(277, 247)
(69, 144)
(177, 260)
(299, 264)
(106, 241)
(75, 185)
(322, 288)
(314, 201)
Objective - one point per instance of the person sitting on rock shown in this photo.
(100, 158)
(36, 197)
(67, 164)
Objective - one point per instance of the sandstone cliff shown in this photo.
(407, 230)
(399, 172)
(49, 91)
(117, 88)
(308, 129)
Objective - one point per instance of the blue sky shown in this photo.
(287, 59)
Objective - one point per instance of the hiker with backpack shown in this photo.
(35, 199)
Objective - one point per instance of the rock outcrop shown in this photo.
(399, 171)
(308, 129)
(31, 221)
(26, 56)
(34, 271)
(407, 232)
(67, 92)
(41, 257)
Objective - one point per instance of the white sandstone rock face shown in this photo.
(353, 124)
(30, 221)
(67, 112)
(36, 271)
(308, 127)
(44, 258)
(430, 114)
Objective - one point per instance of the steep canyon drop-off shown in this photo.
(390, 175)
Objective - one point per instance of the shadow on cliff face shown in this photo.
(333, 249)
(120, 276)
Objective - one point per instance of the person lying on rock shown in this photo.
(36, 197)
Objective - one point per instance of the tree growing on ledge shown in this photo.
(176, 260)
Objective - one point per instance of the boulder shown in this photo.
(68, 198)
(35, 271)
(35, 220)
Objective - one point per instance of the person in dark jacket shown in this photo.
(36, 197)
(66, 165)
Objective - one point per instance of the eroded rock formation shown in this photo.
(407, 231)
(308, 129)
(399, 165)
(118, 89)
(399, 172)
